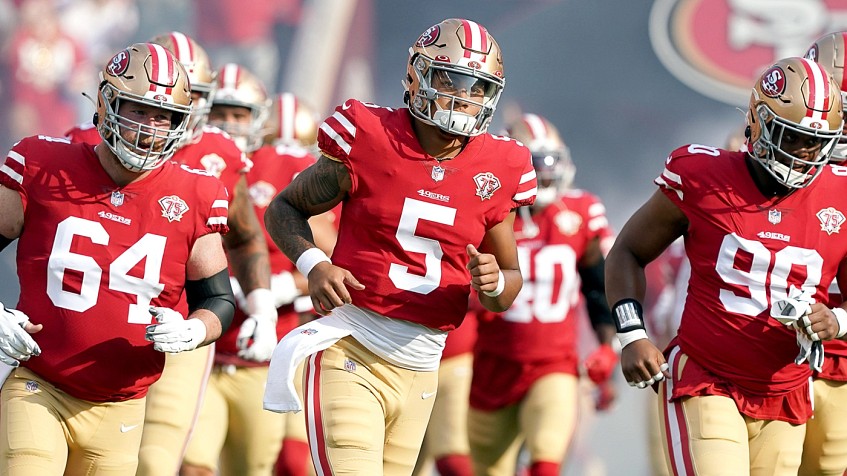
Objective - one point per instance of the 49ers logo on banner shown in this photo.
(173, 207)
(486, 184)
(720, 47)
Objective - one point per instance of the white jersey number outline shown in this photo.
(150, 246)
(536, 296)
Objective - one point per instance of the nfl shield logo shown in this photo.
(117, 198)
(774, 216)
(437, 173)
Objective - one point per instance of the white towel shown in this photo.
(314, 336)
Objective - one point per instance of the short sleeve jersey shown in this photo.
(542, 323)
(93, 256)
(746, 251)
(408, 218)
(273, 169)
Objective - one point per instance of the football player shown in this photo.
(825, 447)
(108, 242)
(428, 212)
(234, 435)
(174, 400)
(526, 360)
(761, 235)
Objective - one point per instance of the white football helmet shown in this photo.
(551, 158)
(459, 62)
(795, 99)
(149, 74)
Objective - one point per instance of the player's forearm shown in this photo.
(288, 228)
(512, 286)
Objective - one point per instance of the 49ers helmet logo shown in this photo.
(118, 64)
(429, 36)
(720, 47)
(773, 82)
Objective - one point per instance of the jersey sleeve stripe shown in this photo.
(520, 196)
(663, 183)
(220, 204)
(598, 223)
(6, 169)
(528, 176)
(596, 209)
(216, 221)
(336, 138)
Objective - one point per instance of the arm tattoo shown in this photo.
(317, 189)
(245, 243)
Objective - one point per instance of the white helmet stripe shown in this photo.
(229, 76)
(287, 115)
(537, 128)
(476, 40)
(818, 90)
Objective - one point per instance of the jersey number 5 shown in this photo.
(414, 210)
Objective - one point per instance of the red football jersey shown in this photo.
(273, 169)
(216, 153)
(92, 257)
(408, 218)
(542, 323)
(84, 134)
(746, 251)
(835, 361)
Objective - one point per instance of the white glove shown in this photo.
(259, 327)
(173, 333)
(284, 288)
(790, 310)
(15, 343)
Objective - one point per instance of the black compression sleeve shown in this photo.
(214, 294)
(594, 290)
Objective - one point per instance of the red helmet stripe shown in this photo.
(161, 70)
(476, 39)
(818, 90)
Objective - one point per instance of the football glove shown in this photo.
(15, 343)
(172, 333)
(601, 363)
(789, 311)
(257, 335)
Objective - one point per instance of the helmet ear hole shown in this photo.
(747, 132)
(406, 97)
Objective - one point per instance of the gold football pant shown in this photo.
(364, 415)
(544, 421)
(825, 448)
(46, 432)
(173, 404)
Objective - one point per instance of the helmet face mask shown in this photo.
(455, 77)
(239, 88)
(143, 76)
(795, 119)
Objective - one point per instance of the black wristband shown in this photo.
(629, 315)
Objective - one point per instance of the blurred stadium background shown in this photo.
(625, 82)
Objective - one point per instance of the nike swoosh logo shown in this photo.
(345, 106)
(426, 395)
(126, 428)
